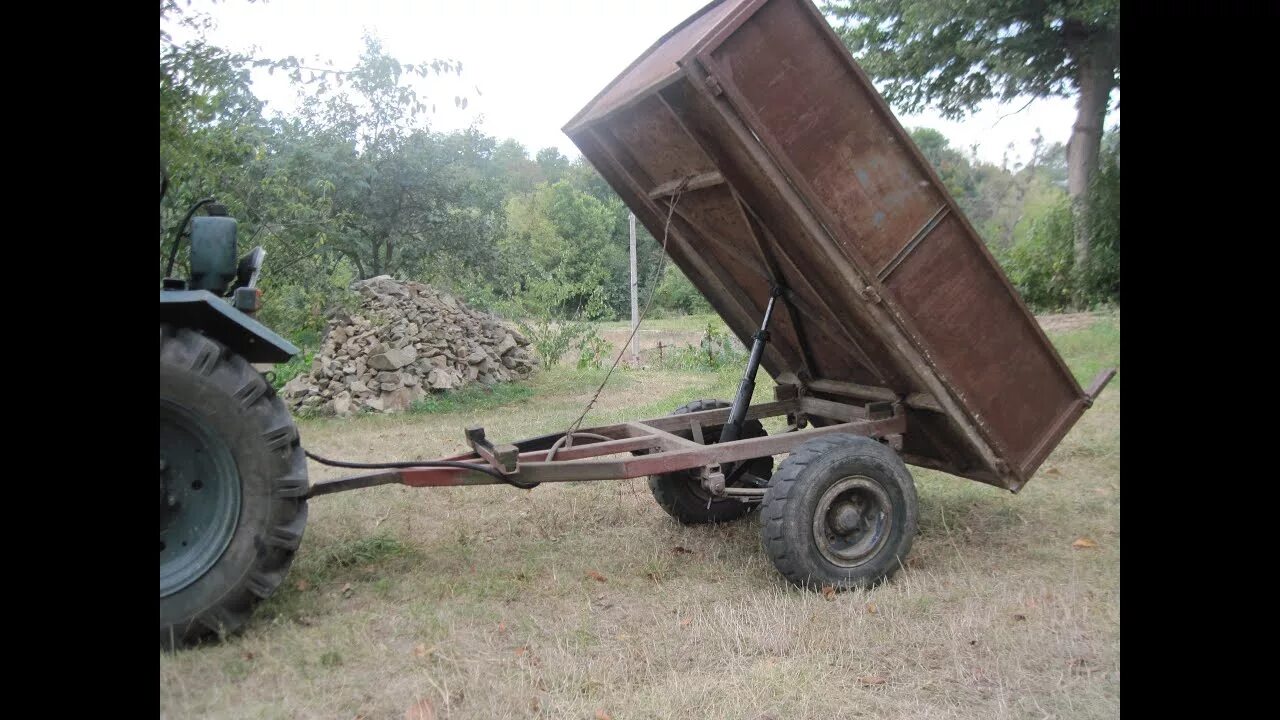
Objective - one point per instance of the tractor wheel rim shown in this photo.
(852, 521)
(199, 498)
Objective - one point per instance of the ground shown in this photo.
(587, 601)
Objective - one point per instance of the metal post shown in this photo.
(737, 413)
(635, 286)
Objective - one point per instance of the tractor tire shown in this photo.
(682, 495)
(233, 488)
(841, 511)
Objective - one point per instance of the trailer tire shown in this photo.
(233, 488)
(681, 494)
(841, 511)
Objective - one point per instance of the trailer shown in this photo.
(752, 145)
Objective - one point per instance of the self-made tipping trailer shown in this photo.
(750, 142)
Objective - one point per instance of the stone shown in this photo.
(342, 404)
(507, 345)
(405, 340)
(398, 400)
(393, 359)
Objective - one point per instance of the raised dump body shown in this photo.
(785, 166)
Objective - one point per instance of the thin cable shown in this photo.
(662, 261)
(567, 441)
(420, 464)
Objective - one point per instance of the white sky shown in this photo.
(535, 63)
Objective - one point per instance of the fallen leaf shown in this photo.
(1019, 616)
(1101, 491)
(502, 626)
(873, 680)
(871, 608)
(828, 592)
(596, 576)
(602, 715)
(685, 622)
(347, 590)
(420, 710)
(680, 550)
(302, 585)
(1083, 543)
(521, 650)
(420, 650)
(1052, 471)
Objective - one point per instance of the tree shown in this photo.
(954, 54)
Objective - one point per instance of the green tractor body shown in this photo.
(233, 476)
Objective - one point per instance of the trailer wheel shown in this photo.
(233, 486)
(841, 511)
(682, 495)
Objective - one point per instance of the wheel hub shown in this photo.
(199, 497)
(852, 521)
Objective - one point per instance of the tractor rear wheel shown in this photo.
(233, 487)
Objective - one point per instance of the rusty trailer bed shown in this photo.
(786, 167)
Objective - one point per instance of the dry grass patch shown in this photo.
(573, 600)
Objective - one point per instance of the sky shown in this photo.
(529, 66)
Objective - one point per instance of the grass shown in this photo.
(473, 398)
(574, 600)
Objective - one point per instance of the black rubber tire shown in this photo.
(793, 497)
(236, 403)
(677, 492)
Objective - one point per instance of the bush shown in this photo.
(593, 351)
(553, 338)
(1041, 263)
(676, 295)
(715, 350)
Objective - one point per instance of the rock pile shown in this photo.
(406, 340)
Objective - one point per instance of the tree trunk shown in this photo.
(1095, 78)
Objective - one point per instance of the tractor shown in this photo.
(233, 477)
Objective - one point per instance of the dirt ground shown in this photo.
(585, 600)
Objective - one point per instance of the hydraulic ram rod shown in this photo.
(738, 412)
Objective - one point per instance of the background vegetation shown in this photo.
(357, 183)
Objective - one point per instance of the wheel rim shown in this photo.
(199, 498)
(853, 521)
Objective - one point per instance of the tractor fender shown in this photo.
(203, 311)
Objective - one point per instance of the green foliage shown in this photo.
(955, 54)
(676, 294)
(1041, 263)
(301, 363)
(551, 339)
(473, 398)
(717, 349)
(1102, 275)
(594, 352)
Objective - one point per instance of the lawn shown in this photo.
(585, 600)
